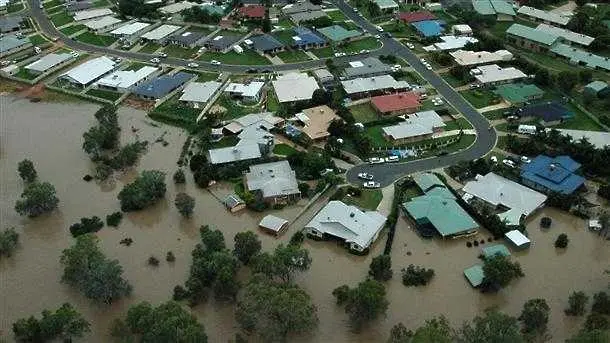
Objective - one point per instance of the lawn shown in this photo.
(104, 94)
(137, 65)
(52, 3)
(180, 52)
(233, 109)
(72, 29)
(203, 76)
(324, 52)
(363, 113)
(293, 56)
(14, 7)
(25, 74)
(248, 57)
(61, 19)
(411, 77)
(495, 114)
(337, 15)
(283, 149)
(273, 104)
(368, 43)
(580, 121)
(375, 133)
(400, 30)
(95, 39)
(369, 199)
(452, 81)
(226, 141)
(285, 36)
(479, 98)
(150, 48)
(460, 123)
(285, 23)
(100, 3)
(174, 112)
(37, 39)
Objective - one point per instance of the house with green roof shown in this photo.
(519, 93)
(502, 10)
(338, 34)
(387, 6)
(438, 209)
(496, 249)
(530, 38)
(475, 275)
(581, 57)
(598, 89)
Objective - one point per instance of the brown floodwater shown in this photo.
(50, 134)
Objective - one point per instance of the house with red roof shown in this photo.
(396, 104)
(413, 17)
(251, 12)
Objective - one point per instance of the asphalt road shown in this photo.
(384, 173)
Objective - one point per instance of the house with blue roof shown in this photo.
(429, 28)
(306, 39)
(265, 44)
(161, 86)
(552, 174)
(547, 113)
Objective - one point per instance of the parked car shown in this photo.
(252, 71)
(192, 65)
(494, 159)
(371, 184)
(155, 60)
(163, 55)
(388, 34)
(429, 67)
(410, 46)
(376, 160)
(392, 159)
(525, 159)
(509, 163)
(365, 176)
(378, 36)
(379, 28)
(214, 62)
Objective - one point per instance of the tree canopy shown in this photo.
(185, 204)
(499, 272)
(363, 303)
(381, 268)
(494, 326)
(105, 135)
(26, 170)
(65, 323)
(37, 199)
(535, 317)
(8, 241)
(285, 261)
(144, 191)
(247, 245)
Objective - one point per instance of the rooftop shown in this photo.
(474, 275)
(255, 11)
(385, 4)
(499, 191)
(544, 15)
(187, 37)
(272, 223)
(294, 87)
(382, 82)
(323, 75)
(412, 17)
(578, 56)
(568, 35)
(547, 111)
(555, 174)
(8, 24)
(248, 90)
(494, 73)
(265, 42)
(532, 34)
(223, 40)
(317, 121)
(451, 43)
(162, 85)
(266, 120)
(235, 153)
(305, 16)
(496, 249)
(90, 70)
(126, 78)
(599, 139)
(94, 13)
(338, 33)
(469, 58)
(306, 37)
(597, 86)
(199, 91)
(100, 23)
(417, 124)
(160, 32)
(366, 67)
(48, 61)
(304, 6)
(11, 42)
(348, 222)
(517, 93)
(176, 7)
(429, 28)
(427, 181)
(273, 179)
(396, 102)
(517, 238)
(130, 29)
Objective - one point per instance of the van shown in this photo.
(527, 129)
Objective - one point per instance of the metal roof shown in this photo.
(417, 124)
(102, 22)
(382, 82)
(235, 153)
(442, 212)
(8, 24)
(249, 90)
(272, 223)
(305, 16)
(599, 139)
(368, 67)
(426, 181)
(294, 87)
(11, 42)
(176, 7)
(94, 13)
(468, 58)
(568, 35)
(338, 33)
(555, 174)
(305, 37)
(130, 29)
(272, 179)
(517, 93)
(265, 42)
(451, 43)
(474, 275)
(160, 32)
(200, 91)
(125, 79)
(396, 102)
(496, 249)
(532, 34)
(163, 85)
(544, 15)
(578, 56)
(385, 4)
(222, 40)
(90, 70)
(48, 61)
(517, 238)
(304, 6)
(494, 73)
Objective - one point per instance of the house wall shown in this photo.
(504, 17)
(525, 43)
(396, 113)
(408, 139)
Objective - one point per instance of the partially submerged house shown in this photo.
(274, 225)
(275, 182)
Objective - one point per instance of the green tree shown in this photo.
(567, 80)
(400, 334)
(144, 191)
(364, 302)
(87, 269)
(416, 276)
(37, 198)
(275, 310)
(590, 336)
(128, 155)
(168, 323)
(65, 323)
(562, 241)
(535, 317)
(179, 177)
(596, 321)
(494, 327)
(185, 204)
(247, 245)
(601, 303)
(26, 170)
(105, 135)
(320, 97)
(86, 225)
(499, 272)
(381, 268)
(283, 263)
(436, 330)
(8, 242)
(577, 304)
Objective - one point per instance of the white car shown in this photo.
(192, 65)
(365, 176)
(525, 159)
(423, 60)
(163, 55)
(392, 159)
(379, 28)
(508, 163)
(214, 62)
(378, 36)
(155, 60)
(429, 67)
(494, 159)
(371, 184)
(376, 160)
(410, 46)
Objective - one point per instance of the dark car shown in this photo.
(443, 153)
(387, 34)
(266, 71)
(252, 71)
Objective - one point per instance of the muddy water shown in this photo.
(50, 135)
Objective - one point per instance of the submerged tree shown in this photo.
(577, 304)
(26, 170)
(499, 271)
(494, 326)
(36, 199)
(65, 323)
(185, 204)
(247, 245)
(8, 242)
(283, 263)
(144, 191)
(535, 317)
(364, 302)
(381, 268)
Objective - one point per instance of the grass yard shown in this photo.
(248, 57)
(460, 123)
(226, 141)
(369, 199)
(95, 39)
(14, 7)
(285, 23)
(104, 94)
(176, 113)
(25, 74)
(52, 3)
(283, 149)
(368, 43)
(61, 19)
(337, 15)
(324, 52)
(495, 114)
(137, 65)
(293, 56)
(400, 30)
(72, 29)
(452, 81)
(580, 121)
(412, 77)
(375, 133)
(363, 113)
(203, 76)
(479, 98)
(100, 3)
(285, 36)
(149, 48)
(273, 104)
(233, 109)
(180, 52)
(37, 39)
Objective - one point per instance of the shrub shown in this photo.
(546, 222)
(153, 261)
(297, 239)
(577, 304)
(562, 241)
(381, 268)
(179, 177)
(86, 225)
(304, 189)
(144, 191)
(114, 219)
(180, 293)
(170, 257)
(416, 276)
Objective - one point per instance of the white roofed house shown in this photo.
(197, 94)
(130, 31)
(103, 24)
(543, 16)
(254, 142)
(264, 120)
(294, 87)
(176, 7)
(275, 182)
(461, 30)
(364, 87)
(489, 75)
(357, 228)
(92, 14)
(124, 80)
(88, 72)
(49, 62)
(417, 126)
(473, 58)
(249, 91)
(450, 43)
(160, 34)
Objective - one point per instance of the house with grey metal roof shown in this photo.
(503, 10)
(325, 78)
(543, 16)
(234, 203)
(307, 15)
(75, 6)
(11, 44)
(222, 41)
(187, 39)
(161, 86)
(131, 30)
(88, 72)
(265, 44)
(359, 229)
(362, 87)
(49, 62)
(125, 80)
(276, 182)
(294, 87)
(368, 67)
(197, 94)
(248, 91)
(243, 152)
(273, 224)
(493, 74)
(567, 35)
(160, 33)
(265, 120)
(581, 57)
(304, 6)
(417, 126)
(92, 14)
(103, 24)
(10, 24)
(530, 38)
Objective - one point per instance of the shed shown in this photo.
(497, 249)
(474, 275)
(518, 239)
(597, 89)
(234, 203)
(273, 224)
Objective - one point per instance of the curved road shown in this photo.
(384, 173)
